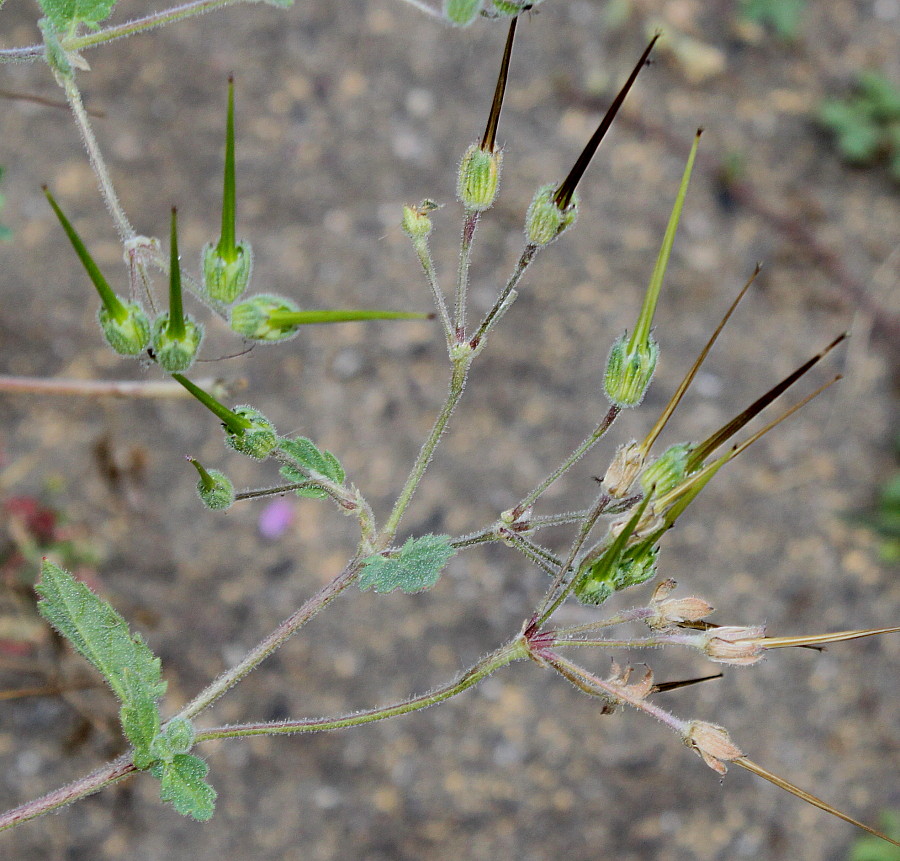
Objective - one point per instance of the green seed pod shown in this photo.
(545, 221)
(251, 318)
(214, 488)
(128, 334)
(628, 372)
(667, 471)
(479, 177)
(511, 7)
(462, 12)
(256, 441)
(175, 353)
(415, 223)
(226, 280)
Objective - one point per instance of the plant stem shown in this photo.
(266, 647)
(618, 692)
(457, 385)
(569, 462)
(541, 557)
(87, 785)
(500, 307)
(73, 96)
(423, 252)
(462, 277)
(424, 7)
(513, 651)
(548, 607)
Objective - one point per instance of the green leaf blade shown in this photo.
(67, 14)
(182, 784)
(415, 568)
(100, 635)
(310, 459)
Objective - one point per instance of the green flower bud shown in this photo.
(629, 371)
(180, 733)
(224, 279)
(415, 223)
(545, 221)
(667, 471)
(258, 440)
(127, 333)
(462, 12)
(479, 177)
(214, 488)
(251, 318)
(175, 353)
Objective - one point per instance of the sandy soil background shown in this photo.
(347, 110)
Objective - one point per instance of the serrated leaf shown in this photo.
(66, 14)
(310, 458)
(416, 566)
(183, 786)
(101, 635)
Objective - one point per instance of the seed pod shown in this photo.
(479, 177)
(251, 318)
(462, 12)
(214, 488)
(126, 330)
(257, 441)
(629, 371)
(545, 220)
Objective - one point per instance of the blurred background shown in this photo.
(346, 111)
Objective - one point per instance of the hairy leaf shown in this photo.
(66, 14)
(183, 786)
(100, 634)
(310, 458)
(416, 566)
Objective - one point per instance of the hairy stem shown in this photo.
(505, 655)
(266, 647)
(87, 785)
(457, 385)
(98, 165)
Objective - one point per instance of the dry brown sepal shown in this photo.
(672, 611)
(713, 744)
(739, 645)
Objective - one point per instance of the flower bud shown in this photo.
(175, 353)
(629, 370)
(224, 279)
(214, 488)
(545, 220)
(479, 177)
(416, 223)
(462, 12)
(258, 440)
(251, 318)
(127, 331)
(667, 471)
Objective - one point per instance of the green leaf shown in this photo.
(782, 16)
(65, 15)
(416, 566)
(310, 459)
(100, 634)
(183, 786)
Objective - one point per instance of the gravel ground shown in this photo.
(345, 111)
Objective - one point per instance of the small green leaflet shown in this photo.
(101, 635)
(67, 14)
(310, 459)
(416, 566)
(183, 786)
